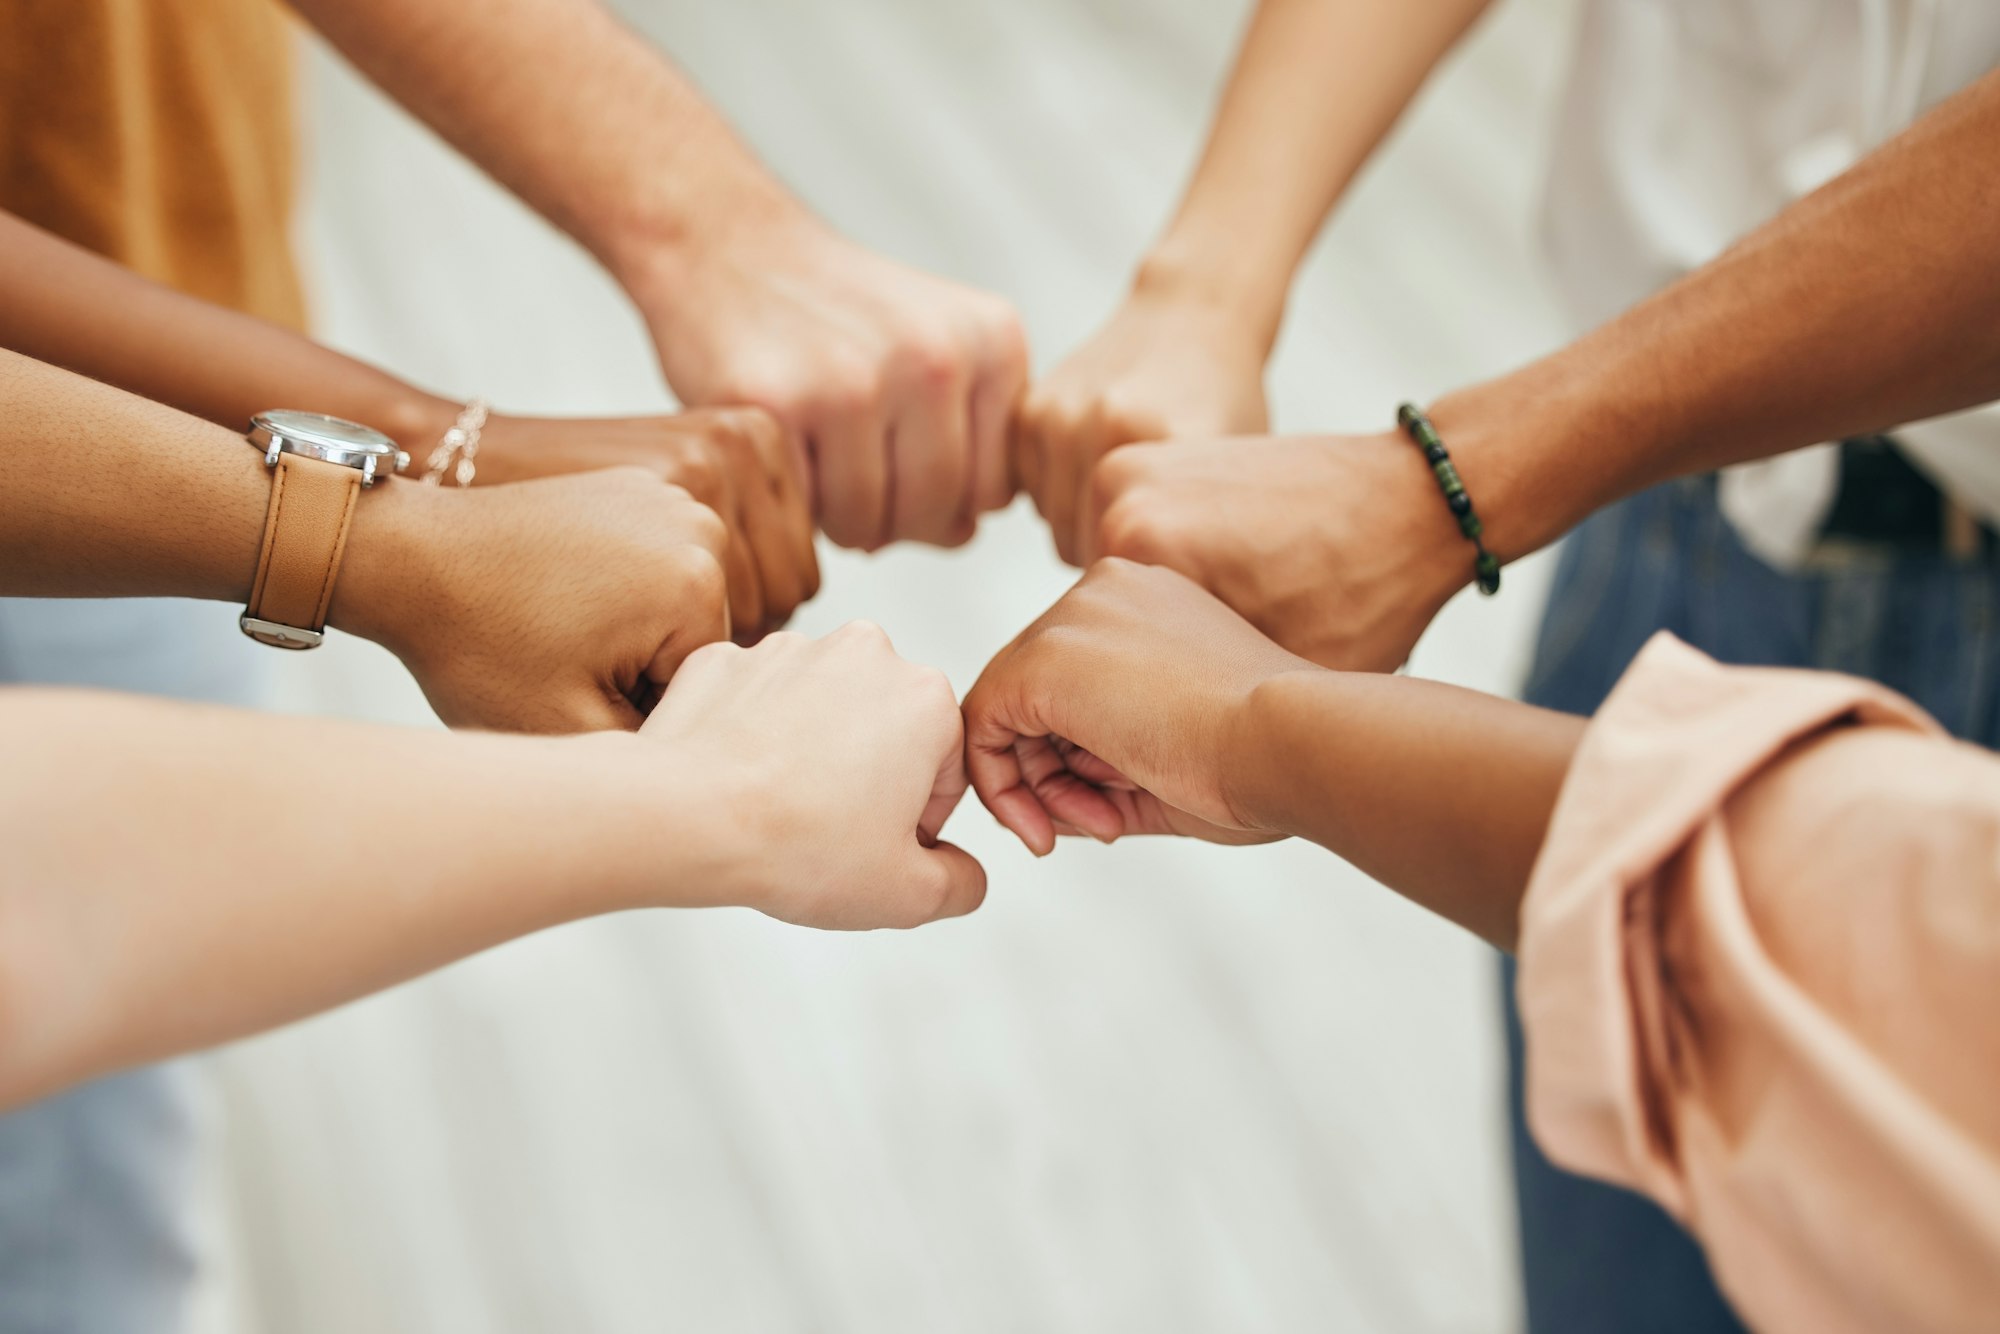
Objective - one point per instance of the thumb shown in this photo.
(949, 881)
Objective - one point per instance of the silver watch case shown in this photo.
(314, 435)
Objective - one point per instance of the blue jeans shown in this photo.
(96, 1184)
(1597, 1258)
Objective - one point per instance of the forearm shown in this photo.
(1442, 794)
(63, 305)
(108, 495)
(153, 902)
(607, 140)
(1864, 306)
(1317, 85)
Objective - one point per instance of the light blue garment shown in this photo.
(96, 1185)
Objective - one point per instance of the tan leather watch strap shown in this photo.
(305, 534)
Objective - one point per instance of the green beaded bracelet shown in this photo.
(1418, 427)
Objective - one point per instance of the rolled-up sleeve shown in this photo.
(1760, 978)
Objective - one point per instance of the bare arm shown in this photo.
(155, 899)
(1317, 85)
(1441, 793)
(555, 605)
(156, 895)
(1865, 305)
(63, 305)
(1141, 705)
(895, 387)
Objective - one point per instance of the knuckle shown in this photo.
(934, 686)
(699, 571)
(1128, 422)
(703, 476)
(1119, 570)
(1112, 476)
(749, 424)
(783, 641)
(706, 529)
(1005, 335)
(848, 392)
(932, 365)
(1131, 531)
(866, 632)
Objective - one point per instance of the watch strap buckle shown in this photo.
(277, 634)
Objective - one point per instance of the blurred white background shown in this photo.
(1148, 1088)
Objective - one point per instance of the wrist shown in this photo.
(649, 827)
(1220, 287)
(390, 565)
(1256, 758)
(416, 421)
(655, 252)
(1543, 447)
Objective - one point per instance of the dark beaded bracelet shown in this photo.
(1418, 427)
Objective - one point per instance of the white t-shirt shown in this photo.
(1687, 123)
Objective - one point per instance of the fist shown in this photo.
(1162, 368)
(842, 762)
(1118, 712)
(1337, 547)
(894, 387)
(559, 605)
(735, 461)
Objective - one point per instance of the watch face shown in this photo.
(331, 439)
(318, 428)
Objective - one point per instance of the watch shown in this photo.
(319, 466)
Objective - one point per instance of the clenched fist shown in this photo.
(894, 387)
(1338, 547)
(559, 605)
(1118, 712)
(733, 460)
(1164, 367)
(837, 763)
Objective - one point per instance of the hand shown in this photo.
(834, 764)
(1116, 713)
(1164, 367)
(560, 605)
(1338, 547)
(894, 387)
(733, 460)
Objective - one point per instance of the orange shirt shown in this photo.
(158, 133)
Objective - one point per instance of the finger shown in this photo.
(947, 788)
(1099, 439)
(930, 462)
(1101, 490)
(853, 474)
(950, 880)
(1063, 794)
(1061, 442)
(996, 396)
(791, 503)
(739, 563)
(994, 768)
(1025, 445)
(769, 536)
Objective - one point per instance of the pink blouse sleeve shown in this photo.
(1760, 977)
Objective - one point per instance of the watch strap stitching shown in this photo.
(294, 485)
